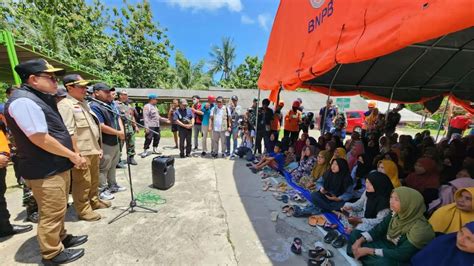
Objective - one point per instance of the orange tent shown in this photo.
(404, 50)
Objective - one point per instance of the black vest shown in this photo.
(110, 119)
(34, 162)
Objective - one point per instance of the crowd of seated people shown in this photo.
(397, 196)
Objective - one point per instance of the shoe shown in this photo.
(145, 153)
(116, 188)
(32, 217)
(195, 148)
(155, 151)
(203, 153)
(90, 217)
(120, 165)
(17, 229)
(181, 156)
(214, 155)
(188, 155)
(101, 204)
(106, 195)
(66, 256)
(175, 147)
(74, 241)
(131, 161)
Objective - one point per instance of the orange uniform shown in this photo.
(292, 121)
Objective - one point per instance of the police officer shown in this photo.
(46, 155)
(129, 123)
(83, 127)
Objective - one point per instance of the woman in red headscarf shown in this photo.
(425, 178)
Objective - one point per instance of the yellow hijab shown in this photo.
(391, 170)
(449, 219)
(339, 153)
(320, 169)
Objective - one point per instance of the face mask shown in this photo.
(195, 101)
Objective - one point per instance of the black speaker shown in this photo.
(162, 169)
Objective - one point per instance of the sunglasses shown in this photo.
(52, 78)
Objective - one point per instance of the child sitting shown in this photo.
(275, 160)
(246, 146)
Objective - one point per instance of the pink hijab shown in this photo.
(357, 149)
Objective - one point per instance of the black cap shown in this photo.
(234, 98)
(34, 66)
(74, 79)
(197, 97)
(61, 92)
(102, 87)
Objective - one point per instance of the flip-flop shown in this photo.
(339, 242)
(298, 198)
(314, 220)
(249, 164)
(316, 260)
(319, 251)
(266, 186)
(285, 208)
(329, 226)
(296, 246)
(330, 236)
(290, 211)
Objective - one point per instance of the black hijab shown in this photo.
(363, 168)
(337, 183)
(380, 199)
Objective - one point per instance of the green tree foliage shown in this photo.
(222, 58)
(190, 76)
(245, 75)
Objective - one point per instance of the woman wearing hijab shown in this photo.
(374, 204)
(425, 179)
(322, 165)
(450, 218)
(451, 249)
(359, 173)
(353, 155)
(337, 187)
(306, 164)
(399, 236)
(339, 153)
(389, 168)
(300, 143)
(446, 192)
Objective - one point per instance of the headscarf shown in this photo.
(320, 169)
(443, 251)
(410, 219)
(429, 179)
(391, 170)
(340, 153)
(356, 150)
(337, 183)
(449, 218)
(363, 168)
(380, 198)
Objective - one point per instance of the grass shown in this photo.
(165, 133)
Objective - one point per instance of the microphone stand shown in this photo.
(133, 203)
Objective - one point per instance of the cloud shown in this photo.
(246, 20)
(263, 21)
(232, 5)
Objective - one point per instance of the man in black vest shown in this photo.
(46, 155)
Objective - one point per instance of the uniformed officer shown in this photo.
(46, 155)
(84, 129)
(129, 123)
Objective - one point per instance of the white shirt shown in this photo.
(28, 116)
(217, 115)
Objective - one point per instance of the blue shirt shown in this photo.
(183, 115)
(206, 115)
(279, 158)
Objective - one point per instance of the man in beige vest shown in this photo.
(85, 134)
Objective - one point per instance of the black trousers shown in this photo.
(265, 136)
(293, 135)
(5, 225)
(185, 135)
(152, 136)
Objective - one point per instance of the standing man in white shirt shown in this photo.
(220, 124)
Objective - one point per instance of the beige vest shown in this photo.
(81, 121)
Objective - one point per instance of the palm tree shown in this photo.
(222, 58)
(190, 76)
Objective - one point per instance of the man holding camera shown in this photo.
(46, 155)
(184, 118)
(85, 133)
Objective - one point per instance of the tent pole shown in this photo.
(329, 95)
(256, 123)
(449, 97)
(442, 117)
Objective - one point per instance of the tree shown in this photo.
(223, 58)
(191, 76)
(246, 74)
(143, 48)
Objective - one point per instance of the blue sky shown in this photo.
(195, 25)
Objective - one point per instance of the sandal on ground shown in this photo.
(331, 236)
(296, 246)
(266, 186)
(249, 164)
(329, 226)
(319, 251)
(339, 242)
(298, 198)
(291, 211)
(314, 220)
(285, 208)
(322, 261)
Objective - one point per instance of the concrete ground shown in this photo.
(215, 214)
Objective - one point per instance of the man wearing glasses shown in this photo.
(85, 133)
(45, 155)
(220, 123)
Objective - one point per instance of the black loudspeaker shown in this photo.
(162, 169)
